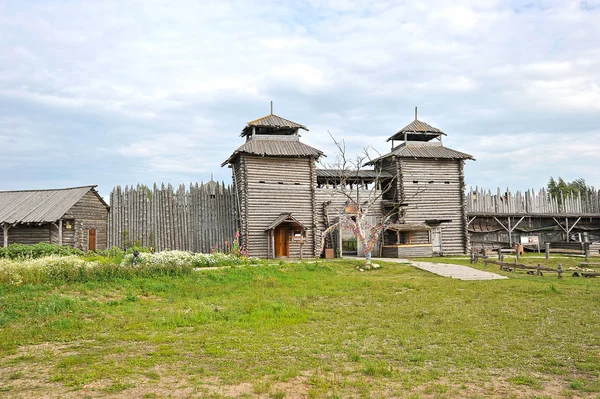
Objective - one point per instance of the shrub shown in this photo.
(181, 258)
(74, 268)
(24, 251)
(58, 268)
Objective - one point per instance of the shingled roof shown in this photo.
(424, 150)
(39, 206)
(275, 148)
(417, 131)
(272, 121)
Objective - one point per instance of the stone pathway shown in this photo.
(449, 270)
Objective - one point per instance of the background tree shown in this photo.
(560, 188)
(358, 214)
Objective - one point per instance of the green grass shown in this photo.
(319, 329)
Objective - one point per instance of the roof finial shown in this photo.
(211, 176)
(415, 113)
(271, 107)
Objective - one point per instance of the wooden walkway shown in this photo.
(448, 270)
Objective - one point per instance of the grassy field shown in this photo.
(303, 330)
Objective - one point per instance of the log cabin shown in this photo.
(75, 217)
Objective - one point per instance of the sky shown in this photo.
(127, 92)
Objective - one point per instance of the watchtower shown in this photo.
(429, 186)
(275, 179)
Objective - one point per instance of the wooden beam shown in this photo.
(573, 225)
(501, 224)
(561, 226)
(471, 220)
(515, 226)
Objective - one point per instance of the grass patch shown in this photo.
(319, 328)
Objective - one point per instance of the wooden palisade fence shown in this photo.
(481, 201)
(194, 219)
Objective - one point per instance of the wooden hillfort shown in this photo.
(501, 219)
(284, 202)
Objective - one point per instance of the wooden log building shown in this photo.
(428, 191)
(275, 179)
(75, 217)
(284, 202)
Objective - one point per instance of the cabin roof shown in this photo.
(271, 121)
(275, 148)
(417, 131)
(40, 206)
(285, 218)
(423, 150)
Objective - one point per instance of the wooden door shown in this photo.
(282, 244)
(92, 239)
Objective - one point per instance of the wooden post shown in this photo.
(5, 228)
(560, 270)
(268, 244)
(547, 250)
(273, 243)
(340, 241)
(586, 249)
(60, 228)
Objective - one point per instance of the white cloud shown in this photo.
(161, 90)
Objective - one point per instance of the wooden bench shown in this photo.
(588, 264)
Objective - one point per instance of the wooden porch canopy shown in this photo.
(408, 227)
(286, 218)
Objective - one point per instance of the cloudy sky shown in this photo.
(125, 92)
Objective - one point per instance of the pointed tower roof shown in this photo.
(417, 131)
(271, 123)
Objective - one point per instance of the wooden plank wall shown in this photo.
(194, 219)
(530, 202)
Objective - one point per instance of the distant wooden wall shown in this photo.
(530, 202)
(189, 219)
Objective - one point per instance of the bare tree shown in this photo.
(349, 177)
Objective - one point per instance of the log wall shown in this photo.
(190, 219)
(88, 213)
(27, 234)
(434, 189)
(274, 185)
